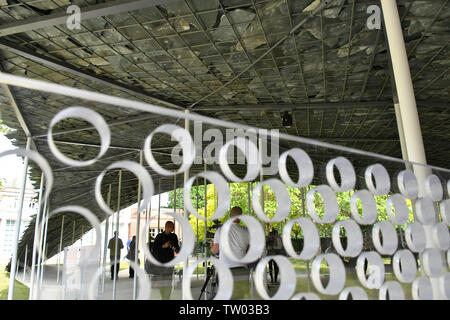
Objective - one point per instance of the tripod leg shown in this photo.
(208, 276)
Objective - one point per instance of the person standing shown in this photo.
(132, 256)
(239, 239)
(115, 260)
(164, 249)
(274, 247)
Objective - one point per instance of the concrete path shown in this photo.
(52, 290)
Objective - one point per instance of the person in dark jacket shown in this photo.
(115, 261)
(166, 244)
(132, 256)
(164, 249)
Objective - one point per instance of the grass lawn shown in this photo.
(21, 291)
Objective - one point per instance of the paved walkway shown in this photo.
(52, 290)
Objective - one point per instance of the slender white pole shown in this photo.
(60, 247)
(401, 134)
(105, 245)
(196, 246)
(117, 236)
(25, 263)
(44, 249)
(17, 226)
(206, 231)
(304, 190)
(186, 178)
(138, 225)
(174, 197)
(17, 265)
(175, 200)
(159, 206)
(41, 240)
(36, 237)
(405, 91)
(261, 179)
(249, 197)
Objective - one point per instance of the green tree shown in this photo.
(239, 197)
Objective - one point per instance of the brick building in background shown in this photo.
(153, 227)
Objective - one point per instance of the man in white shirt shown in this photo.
(239, 239)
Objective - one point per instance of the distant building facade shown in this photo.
(9, 205)
(153, 228)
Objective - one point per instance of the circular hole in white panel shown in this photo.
(371, 277)
(304, 166)
(257, 239)
(441, 236)
(139, 171)
(398, 204)
(422, 289)
(391, 290)
(415, 237)
(87, 115)
(282, 198)
(355, 293)
(369, 207)
(184, 140)
(346, 172)
(252, 156)
(384, 237)
(433, 188)
(287, 272)
(432, 262)
(311, 242)
(330, 204)
(405, 266)
(305, 296)
(407, 183)
(187, 245)
(225, 288)
(337, 274)
(426, 211)
(354, 238)
(223, 194)
(382, 184)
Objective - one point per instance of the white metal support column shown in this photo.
(12, 276)
(25, 263)
(186, 178)
(44, 249)
(138, 226)
(116, 249)
(105, 244)
(405, 91)
(36, 237)
(205, 249)
(60, 248)
(408, 109)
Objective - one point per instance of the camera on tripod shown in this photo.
(215, 226)
(211, 282)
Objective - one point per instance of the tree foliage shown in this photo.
(240, 197)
